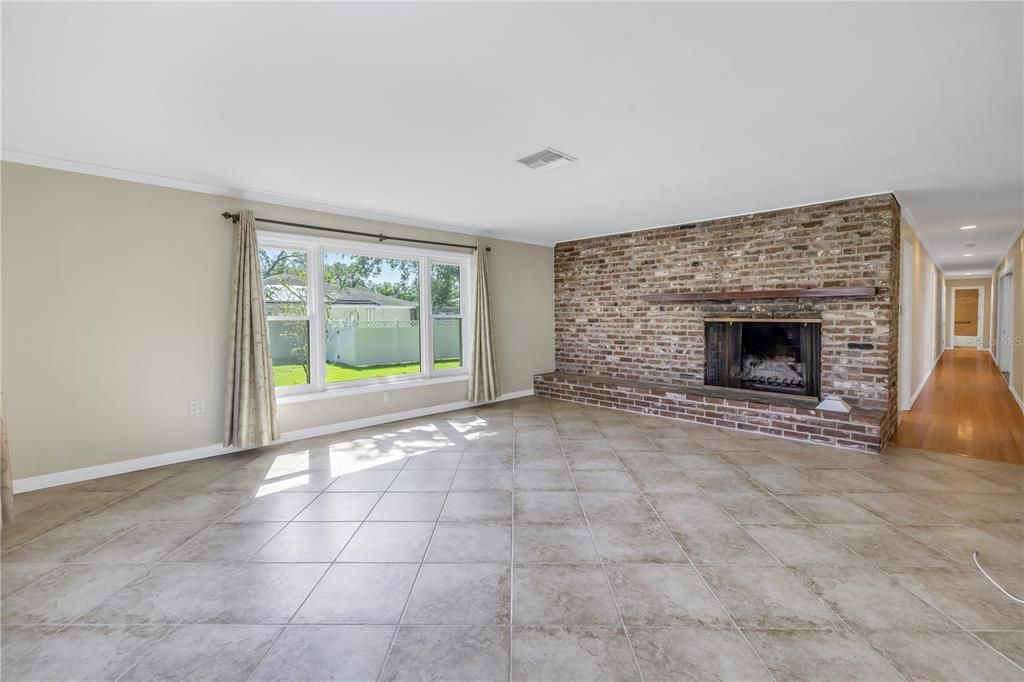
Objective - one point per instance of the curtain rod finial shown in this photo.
(234, 216)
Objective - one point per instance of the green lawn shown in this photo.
(292, 375)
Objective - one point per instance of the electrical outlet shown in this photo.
(387, 396)
(196, 407)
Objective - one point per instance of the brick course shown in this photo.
(603, 328)
(860, 429)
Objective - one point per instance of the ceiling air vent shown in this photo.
(545, 159)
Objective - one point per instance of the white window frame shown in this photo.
(311, 293)
(315, 248)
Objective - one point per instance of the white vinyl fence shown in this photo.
(389, 342)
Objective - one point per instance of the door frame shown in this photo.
(981, 318)
(905, 390)
(1005, 319)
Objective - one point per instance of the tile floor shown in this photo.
(529, 539)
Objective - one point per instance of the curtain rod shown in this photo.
(234, 217)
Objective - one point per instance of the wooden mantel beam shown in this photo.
(827, 292)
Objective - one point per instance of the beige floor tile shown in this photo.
(456, 652)
(721, 543)
(548, 543)
(210, 593)
(388, 542)
(820, 655)
(695, 654)
(460, 594)
(543, 506)
(942, 656)
(804, 546)
(209, 652)
(307, 541)
(562, 595)
(572, 653)
(359, 594)
(867, 599)
(66, 594)
(471, 542)
(1009, 643)
(229, 559)
(664, 594)
(767, 597)
(326, 652)
(91, 652)
(965, 596)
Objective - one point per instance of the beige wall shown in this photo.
(1014, 259)
(925, 342)
(115, 299)
(985, 303)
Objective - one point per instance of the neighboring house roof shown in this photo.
(355, 296)
(288, 289)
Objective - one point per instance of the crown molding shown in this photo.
(247, 194)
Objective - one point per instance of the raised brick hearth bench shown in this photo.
(859, 429)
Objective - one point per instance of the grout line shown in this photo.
(322, 575)
(142, 654)
(512, 549)
(419, 567)
(787, 569)
(823, 528)
(597, 550)
(739, 470)
(696, 570)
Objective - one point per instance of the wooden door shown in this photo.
(966, 317)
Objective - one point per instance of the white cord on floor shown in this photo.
(991, 580)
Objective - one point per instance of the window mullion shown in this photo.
(318, 328)
(426, 320)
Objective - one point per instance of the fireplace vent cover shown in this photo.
(545, 159)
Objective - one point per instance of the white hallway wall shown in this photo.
(1013, 260)
(924, 346)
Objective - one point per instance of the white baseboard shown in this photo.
(1016, 396)
(24, 485)
(913, 398)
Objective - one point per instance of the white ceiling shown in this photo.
(415, 113)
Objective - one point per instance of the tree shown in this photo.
(284, 282)
(364, 272)
(444, 288)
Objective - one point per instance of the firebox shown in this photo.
(776, 356)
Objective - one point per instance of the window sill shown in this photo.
(374, 388)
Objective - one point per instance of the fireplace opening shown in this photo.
(775, 356)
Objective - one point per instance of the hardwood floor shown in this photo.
(965, 409)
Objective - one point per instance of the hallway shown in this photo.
(965, 409)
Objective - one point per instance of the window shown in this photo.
(285, 280)
(446, 309)
(345, 314)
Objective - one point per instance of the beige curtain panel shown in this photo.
(483, 374)
(6, 489)
(251, 408)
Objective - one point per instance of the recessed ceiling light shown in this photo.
(968, 227)
(968, 255)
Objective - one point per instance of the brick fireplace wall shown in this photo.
(604, 330)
